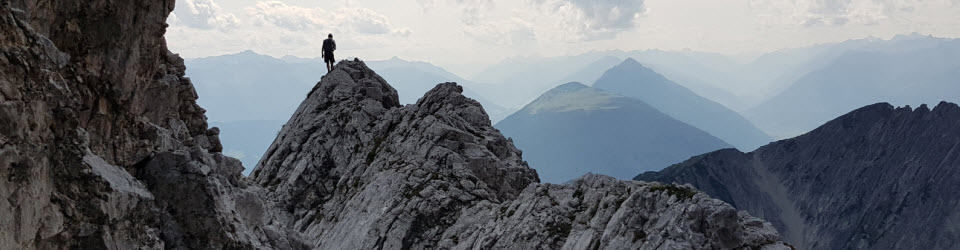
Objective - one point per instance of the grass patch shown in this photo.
(376, 149)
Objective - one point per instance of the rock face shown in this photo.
(101, 142)
(102, 146)
(354, 170)
(877, 178)
(574, 129)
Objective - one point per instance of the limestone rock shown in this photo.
(355, 170)
(102, 145)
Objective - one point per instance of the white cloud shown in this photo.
(812, 13)
(203, 14)
(344, 20)
(593, 19)
(510, 32)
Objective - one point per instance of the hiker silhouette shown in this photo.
(328, 47)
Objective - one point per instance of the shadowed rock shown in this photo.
(876, 178)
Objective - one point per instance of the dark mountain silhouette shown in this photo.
(574, 129)
(876, 178)
(632, 79)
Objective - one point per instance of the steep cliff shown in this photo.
(101, 142)
(877, 178)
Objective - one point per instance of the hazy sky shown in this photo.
(462, 34)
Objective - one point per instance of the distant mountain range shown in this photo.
(632, 79)
(250, 86)
(247, 140)
(901, 71)
(528, 77)
(783, 93)
(876, 178)
(574, 129)
(272, 81)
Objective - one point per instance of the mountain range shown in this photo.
(878, 177)
(768, 89)
(103, 146)
(574, 129)
(924, 71)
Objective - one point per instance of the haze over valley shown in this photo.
(479, 124)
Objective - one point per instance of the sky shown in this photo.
(464, 36)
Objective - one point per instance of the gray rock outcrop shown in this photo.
(876, 178)
(355, 170)
(101, 142)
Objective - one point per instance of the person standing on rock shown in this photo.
(328, 47)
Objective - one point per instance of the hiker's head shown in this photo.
(329, 35)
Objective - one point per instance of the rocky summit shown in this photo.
(102, 146)
(879, 177)
(353, 169)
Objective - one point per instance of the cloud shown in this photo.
(593, 19)
(202, 14)
(344, 20)
(819, 13)
(509, 32)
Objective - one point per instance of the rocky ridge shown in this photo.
(102, 146)
(879, 177)
(355, 170)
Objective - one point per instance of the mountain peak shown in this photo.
(570, 86)
(632, 79)
(354, 81)
(630, 62)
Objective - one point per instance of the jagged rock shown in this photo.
(876, 178)
(355, 170)
(358, 171)
(102, 145)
